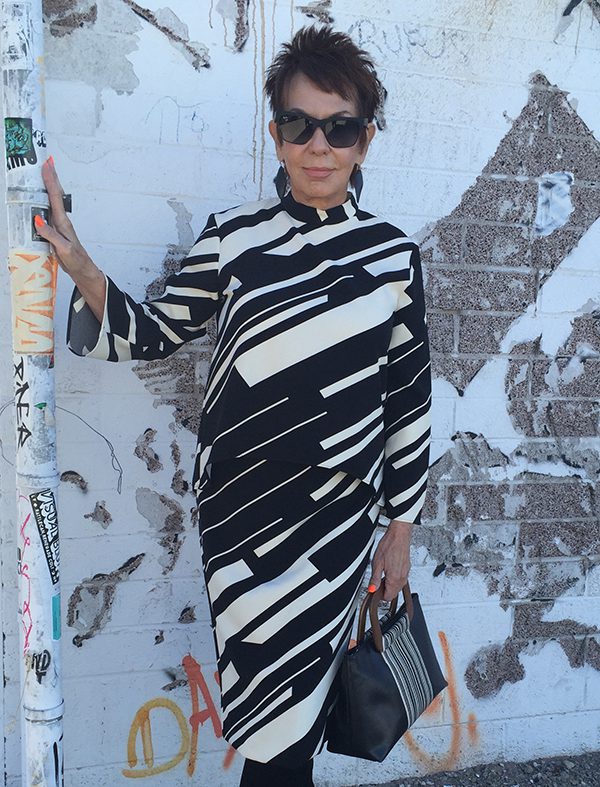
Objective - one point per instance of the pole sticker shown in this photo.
(33, 290)
(18, 138)
(56, 616)
(43, 505)
(17, 37)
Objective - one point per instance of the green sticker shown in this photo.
(56, 616)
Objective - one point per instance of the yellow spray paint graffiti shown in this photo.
(188, 744)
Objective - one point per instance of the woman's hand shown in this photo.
(392, 559)
(71, 255)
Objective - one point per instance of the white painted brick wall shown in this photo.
(131, 125)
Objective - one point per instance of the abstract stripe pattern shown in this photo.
(316, 414)
(321, 353)
(284, 550)
(402, 656)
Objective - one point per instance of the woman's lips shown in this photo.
(317, 172)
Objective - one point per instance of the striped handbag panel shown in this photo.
(404, 661)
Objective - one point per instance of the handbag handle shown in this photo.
(370, 603)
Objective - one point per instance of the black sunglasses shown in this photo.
(340, 131)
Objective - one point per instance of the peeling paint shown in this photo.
(319, 9)
(64, 16)
(147, 454)
(166, 517)
(89, 607)
(100, 514)
(75, 478)
(176, 33)
(236, 11)
(188, 615)
(179, 380)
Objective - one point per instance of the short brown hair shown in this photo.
(333, 62)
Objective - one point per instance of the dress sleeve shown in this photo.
(155, 328)
(408, 402)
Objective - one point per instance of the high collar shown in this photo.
(311, 215)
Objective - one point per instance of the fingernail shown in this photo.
(372, 588)
(38, 220)
(51, 160)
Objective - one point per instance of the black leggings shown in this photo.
(265, 774)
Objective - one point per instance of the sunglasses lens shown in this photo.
(342, 132)
(296, 129)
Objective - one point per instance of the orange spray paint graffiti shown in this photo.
(33, 290)
(449, 759)
(188, 743)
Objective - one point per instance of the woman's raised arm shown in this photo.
(71, 255)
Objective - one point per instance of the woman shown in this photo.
(316, 407)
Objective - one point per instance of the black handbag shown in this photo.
(386, 681)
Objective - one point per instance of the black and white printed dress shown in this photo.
(315, 418)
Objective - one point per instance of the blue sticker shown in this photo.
(56, 616)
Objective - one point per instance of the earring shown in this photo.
(356, 181)
(281, 180)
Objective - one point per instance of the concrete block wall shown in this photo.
(491, 158)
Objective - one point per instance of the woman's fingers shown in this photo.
(60, 220)
(62, 246)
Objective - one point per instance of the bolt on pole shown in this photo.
(33, 289)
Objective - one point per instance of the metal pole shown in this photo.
(33, 288)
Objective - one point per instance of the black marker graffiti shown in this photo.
(40, 138)
(40, 663)
(21, 404)
(18, 138)
(43, 505)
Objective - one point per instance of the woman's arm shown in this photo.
(407, 427)
(71, 256)
(105, 322)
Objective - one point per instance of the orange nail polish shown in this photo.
(372, 588)
(38, 220)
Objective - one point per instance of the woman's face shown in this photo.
(318, 173)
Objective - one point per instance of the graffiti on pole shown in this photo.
(39, 663)
(23, 571)
(43, 506)
(22, 404)
(33, 289)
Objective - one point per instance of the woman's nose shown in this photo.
(318, 142)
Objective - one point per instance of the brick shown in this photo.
(482, 334)
(568, 539)
(555, 417)
(586, 204)
(529, 621)
(547, 253)
(440, 327)
(506, 201)
(492, 244)
(443, 245)
(584, 336)
(449, 288)
(545, 580)
(524, 501)
(457, 371)
(517, 377)
(567, 377)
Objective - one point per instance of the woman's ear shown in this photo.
(370, 133)
(273, 131)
